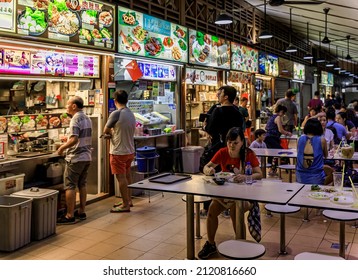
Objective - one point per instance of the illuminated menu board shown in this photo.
(298, 71)
(49, 63)
(285, 67)
(208, 50)
(268, 64)
(75, 22)
(144, 35)
(326, 78)
(244, 58)
(7, 15)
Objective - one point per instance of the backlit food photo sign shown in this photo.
(208, 50)
(144, 35)
(73, 22)
(244, 58)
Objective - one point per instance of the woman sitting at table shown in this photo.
(274, 130)
(232, 158)
(311, 151)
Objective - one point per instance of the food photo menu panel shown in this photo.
(144, 35)
(268, 64)
(76, 22)
(208, 50)
(244, 58)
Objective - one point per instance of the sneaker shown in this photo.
(207, 251)
(79, 216)
(203, 213)
(66, 221)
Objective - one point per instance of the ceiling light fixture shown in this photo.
(265, 34)
(308, 55)
(291, 48)
(223, 19)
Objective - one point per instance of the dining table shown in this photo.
(264, 191)
(327, 198)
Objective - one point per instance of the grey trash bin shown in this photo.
(191, 158)
(44, 211)
(15, 221)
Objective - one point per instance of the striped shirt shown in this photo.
(80, 126)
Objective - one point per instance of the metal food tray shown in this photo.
(169, 178)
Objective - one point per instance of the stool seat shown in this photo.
(197, 200)
(282, 210)
(315, 256)
(287, 166)
(241, 249)
(342, 217)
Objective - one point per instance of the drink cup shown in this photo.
(337, 179)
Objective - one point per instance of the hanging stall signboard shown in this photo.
(268, 64)
(48, 63)
(201, 77)
(298, 71)
(285, 68)
(144, 35)
(208, 50)
(7, 15)
(239, 77)
(326, 78)
(244, 58)
(74, 22)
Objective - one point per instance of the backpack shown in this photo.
(335, 135)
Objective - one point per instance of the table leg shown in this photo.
(190, 250)
(263, 167)
(197, 221)
(240, 220)
(282, 235)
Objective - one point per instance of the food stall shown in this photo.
(151, 53)
(326, 84)
(297, 83)
(43, 60)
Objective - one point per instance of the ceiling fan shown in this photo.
(348, 56)
(325, 39)
(283, 2)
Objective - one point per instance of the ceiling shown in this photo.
(342, 20)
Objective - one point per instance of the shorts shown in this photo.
(75, 174)
(120, 164)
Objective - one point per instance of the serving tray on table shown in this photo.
(169, 178)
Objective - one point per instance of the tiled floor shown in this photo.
(156, 230)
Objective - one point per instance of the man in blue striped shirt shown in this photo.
(77, 151)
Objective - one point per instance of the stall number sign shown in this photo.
(201, 77)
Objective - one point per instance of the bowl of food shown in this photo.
(224, 175)
(347, 151)
(219, 181)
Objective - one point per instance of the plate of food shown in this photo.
(105, 18)
(179, 32)
(224, 175)
(319, 195)
(168, 42)
(344, 200)
(129, 43)
(128, 18)
(139, 33)
(153, 46)
(32, 20)
(201, 53)
(3, 124)
(86, 34)
(89, 17)
(176, 53)
(64, 22)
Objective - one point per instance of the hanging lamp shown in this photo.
(308, 55)
(265, 34)
(291, 48)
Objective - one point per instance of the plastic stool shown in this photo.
(289, 168)
(282, 210)
(241, 249)
(315, 256)
(342, 217)
(197, 200)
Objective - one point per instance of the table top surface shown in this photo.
(266, 191)
(304, 199)
(292, 153)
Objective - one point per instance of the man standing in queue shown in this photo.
(78, 158)
(120, 129)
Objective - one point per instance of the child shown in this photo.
(260, 135)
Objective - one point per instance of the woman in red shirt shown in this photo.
(232, 158)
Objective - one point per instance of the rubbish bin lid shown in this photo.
(34, 193)
(146, 149)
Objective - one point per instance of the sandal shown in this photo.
(119, 210)
(120, 204)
